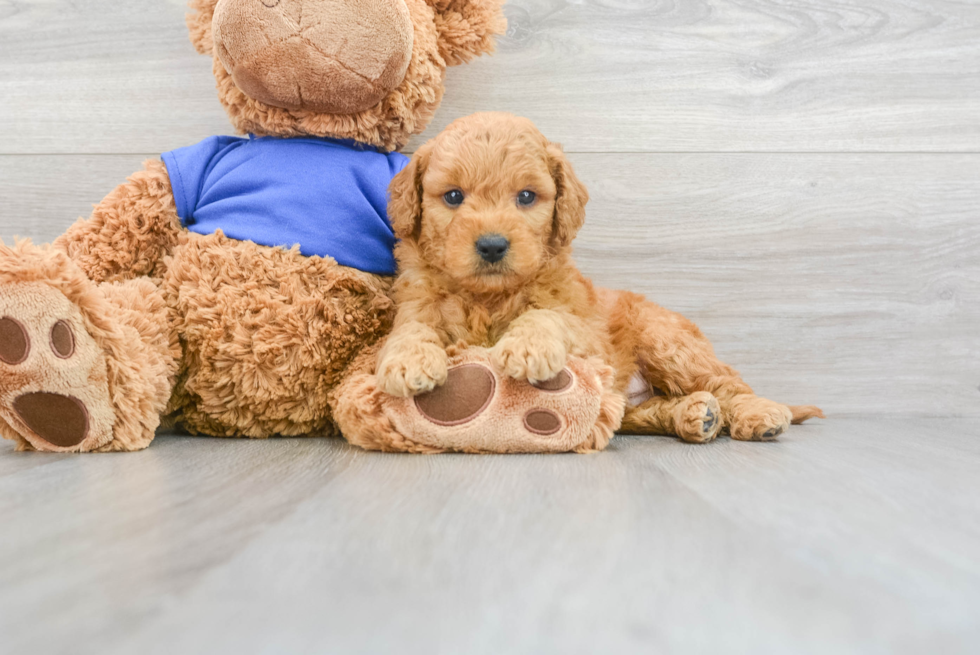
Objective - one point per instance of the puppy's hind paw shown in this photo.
(698, 418)
(751, 418)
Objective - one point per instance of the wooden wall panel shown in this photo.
(91, 76)
(850, 280)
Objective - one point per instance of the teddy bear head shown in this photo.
(368, 70)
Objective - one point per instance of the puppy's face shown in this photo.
(492, 202)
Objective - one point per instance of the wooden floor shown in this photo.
(801, 178)
(847, 536)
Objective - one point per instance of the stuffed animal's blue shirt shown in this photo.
(327, 195)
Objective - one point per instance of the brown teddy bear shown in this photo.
(229, 287)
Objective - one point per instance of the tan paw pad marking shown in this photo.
(558, 383)
(467, 391)
(15, 345)
(542, 421)
(60, 420)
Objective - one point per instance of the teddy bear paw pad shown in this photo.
(558, 383)
(60, 420)
(14, 342)
(479, 409)
(542, 421)
(467, 391)
(53, 377)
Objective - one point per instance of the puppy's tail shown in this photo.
(803, 412)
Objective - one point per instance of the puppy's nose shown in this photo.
(492, 247)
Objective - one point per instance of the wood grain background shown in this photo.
(800, 178)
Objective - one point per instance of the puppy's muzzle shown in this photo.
(492, 247)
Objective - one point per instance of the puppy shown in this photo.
(486, 213)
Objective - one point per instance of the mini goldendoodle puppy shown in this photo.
(486, 213)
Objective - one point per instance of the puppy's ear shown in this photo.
(467, 27)
(199, 24)
(570, 198)
(405, 197)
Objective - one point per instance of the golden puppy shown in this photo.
(485, 214)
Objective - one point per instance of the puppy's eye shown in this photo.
(526, 198)
(453, 198)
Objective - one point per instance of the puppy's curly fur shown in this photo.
(533, 308)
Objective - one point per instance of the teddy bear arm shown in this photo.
(130, 232)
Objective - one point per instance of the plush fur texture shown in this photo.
(124, 358)
(445, 33)
(131, 232)
(533, 308)
(218, 336)
(262, 353)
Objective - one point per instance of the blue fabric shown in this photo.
(327, 195)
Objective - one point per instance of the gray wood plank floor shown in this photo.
(846, 536)
(800, 178)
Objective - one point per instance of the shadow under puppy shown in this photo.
(486, 213)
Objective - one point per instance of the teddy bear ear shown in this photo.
(467, 27)
(199, 24)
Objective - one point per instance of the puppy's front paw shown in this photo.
(412, 371)
(531, 359)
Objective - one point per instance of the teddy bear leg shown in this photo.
(130, 232)
(83, 367)
(695, 417)
(359, 405)
(266, 335)
(479, 409)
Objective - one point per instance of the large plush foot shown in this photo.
(54, 390)
(697, 418)
(751, 418)
(82, 367)
(482, 409)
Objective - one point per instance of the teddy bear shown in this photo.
(228, 287)
(240, 287)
